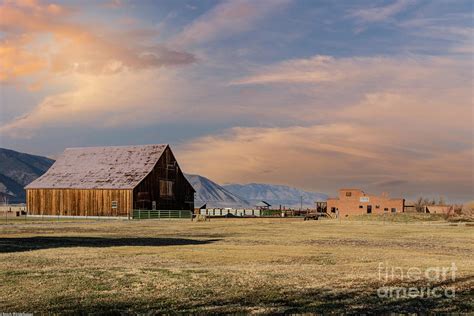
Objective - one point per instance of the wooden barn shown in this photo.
(111, 181)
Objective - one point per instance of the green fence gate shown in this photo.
(161, 214)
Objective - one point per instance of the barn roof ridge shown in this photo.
(116, 146)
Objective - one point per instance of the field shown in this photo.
(230, 265)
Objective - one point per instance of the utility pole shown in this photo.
(301, 203)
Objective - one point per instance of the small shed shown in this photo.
(262, 205)
(438, 209)
(111, 181)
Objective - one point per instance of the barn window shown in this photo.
(166, 188)
(377, 206)
(361, 206)
(386, 209)
(348, 193)
(333, 210)
(394, 210)
(114, 204)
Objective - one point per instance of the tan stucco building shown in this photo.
(356, 202)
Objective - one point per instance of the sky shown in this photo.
(319, 95)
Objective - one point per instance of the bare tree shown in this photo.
(422, 202)
(441, 200)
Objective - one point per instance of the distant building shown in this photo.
(111, 181)
(356, 202)
(439, 209)
(262, 205)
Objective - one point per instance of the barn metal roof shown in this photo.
(113, 167)
(263, 204)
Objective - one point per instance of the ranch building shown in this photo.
(111, 181)
(356, 202)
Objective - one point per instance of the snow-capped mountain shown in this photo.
(210, 193)
(276, 195)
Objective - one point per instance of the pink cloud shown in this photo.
(58, 46)
(323, 157)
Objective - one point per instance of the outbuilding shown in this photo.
(111, 181)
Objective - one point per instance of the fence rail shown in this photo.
(161, 214)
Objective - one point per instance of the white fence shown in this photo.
(229, 211)
(12, 210)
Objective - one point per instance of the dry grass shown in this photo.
(229, 265)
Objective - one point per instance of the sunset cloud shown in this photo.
(320, 69)
(100, 100)
(251, 91)
(18, 62)
(374, 118)
(40, 37)
(321, 157)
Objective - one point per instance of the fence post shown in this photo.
(179, 214)
(139, 214)
(149, 214)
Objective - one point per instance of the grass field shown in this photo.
(229, 265)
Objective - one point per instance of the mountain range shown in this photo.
(213, 195)
(275, 194)
(18, 169)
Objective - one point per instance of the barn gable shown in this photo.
(113, 167)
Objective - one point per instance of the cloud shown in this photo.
(323, 157)
(361, 121)
(17, 62)
(102, 100)
(381, 13)
(312, 70)
(326, 70)
(317, 122)
(452, 30)
(41, 39)
(87, 69)
(227, 18)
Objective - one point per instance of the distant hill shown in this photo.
(17, 170)
(210, 193)
(276, 195)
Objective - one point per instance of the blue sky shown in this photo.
(314, 94)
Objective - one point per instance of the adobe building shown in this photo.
(111, 181)
(357, 202)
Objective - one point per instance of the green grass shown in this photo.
(227, 265)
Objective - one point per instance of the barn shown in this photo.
(111, 181)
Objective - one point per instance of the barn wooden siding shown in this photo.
(166, 169)
(79, 202)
